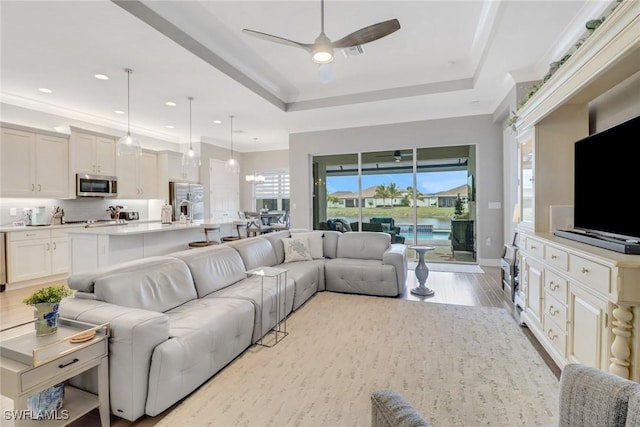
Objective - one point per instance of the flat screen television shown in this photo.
(607, 183)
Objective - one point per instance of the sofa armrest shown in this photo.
(135, 333)
(396, 255)
(390, 409)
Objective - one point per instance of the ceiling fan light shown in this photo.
(322, 55)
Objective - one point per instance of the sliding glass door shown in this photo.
(419, 196)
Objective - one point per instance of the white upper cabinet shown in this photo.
(92, 154)
(138, 176)
(170, 169)
(33, 164)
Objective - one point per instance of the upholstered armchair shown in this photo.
(588, 396)
(389, 226)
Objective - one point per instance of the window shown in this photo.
(273, 193)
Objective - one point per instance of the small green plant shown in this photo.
(459, 206)
(51, 294)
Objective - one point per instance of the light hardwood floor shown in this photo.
(472, 289)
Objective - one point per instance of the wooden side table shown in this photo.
(30, 364)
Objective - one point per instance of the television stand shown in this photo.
(618, 245)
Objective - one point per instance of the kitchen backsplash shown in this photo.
(78, 209)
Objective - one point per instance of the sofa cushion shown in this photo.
(296, 249)
(363, 245)
(213, 267)
(206, 334)
(308, 277)
(159, 284)
(250, 289)
(276, 242)
(255, 252)
(330, 243)
(315, 242)
(361, 276)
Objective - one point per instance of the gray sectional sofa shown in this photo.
(178, 319)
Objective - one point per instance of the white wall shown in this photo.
(480, 131)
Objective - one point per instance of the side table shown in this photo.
(31, 364)
(280, 277)
(422, 271)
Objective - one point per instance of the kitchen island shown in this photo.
(97, 247)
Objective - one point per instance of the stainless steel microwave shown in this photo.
(96, 185)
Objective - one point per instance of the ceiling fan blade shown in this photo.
(368, 34)
(276, 39)
(325, 72)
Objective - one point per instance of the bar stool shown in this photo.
(207, 241)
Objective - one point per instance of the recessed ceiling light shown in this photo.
(170, 103)
(119, 112)
(217, 122)
(170, 126)
(101, 77)
(44, 90)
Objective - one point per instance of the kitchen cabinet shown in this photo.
(92, 154)
(138, 176)
(36, 253)
(33, 164)
(170, 169)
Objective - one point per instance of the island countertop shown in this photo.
(132, 228)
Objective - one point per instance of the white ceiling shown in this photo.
(450, 58)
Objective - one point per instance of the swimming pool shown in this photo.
(425, 232)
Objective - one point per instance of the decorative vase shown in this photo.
(46, 314)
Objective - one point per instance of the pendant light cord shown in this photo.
(129, 71)
(231, 135)
(190, 139)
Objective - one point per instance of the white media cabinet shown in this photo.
(581, 302)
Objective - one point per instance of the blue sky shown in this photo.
(428, 182)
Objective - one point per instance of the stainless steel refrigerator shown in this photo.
(188, 199)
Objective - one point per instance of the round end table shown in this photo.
(422, 271)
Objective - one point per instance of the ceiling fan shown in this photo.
(322, 48)
(397, 155)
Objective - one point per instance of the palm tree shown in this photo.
(419, 195)
(393, 191)
(382, 193)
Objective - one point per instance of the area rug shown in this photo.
(458, 365)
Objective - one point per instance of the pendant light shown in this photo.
(128, 145)
(190, 157)
(232, 164)
(252, 177)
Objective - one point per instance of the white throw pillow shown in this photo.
(315, 242)
(296, 249)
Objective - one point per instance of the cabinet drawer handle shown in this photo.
(584, 270)
(64, 365)
(533, 247)
(48, 246)
(33, 187)
(553, 311)
(552, 337)
(553, 286)
(553, 257)
(54, 246)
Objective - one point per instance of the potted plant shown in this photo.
(46, 302)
